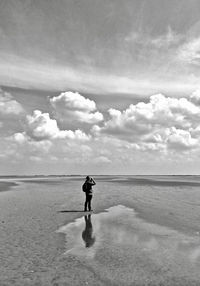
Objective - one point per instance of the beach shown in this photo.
(144, 230)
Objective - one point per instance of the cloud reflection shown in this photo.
(119, 235)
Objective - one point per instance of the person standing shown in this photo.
(87, 188)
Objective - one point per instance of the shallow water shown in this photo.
(121, 247)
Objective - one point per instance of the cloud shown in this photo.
(20, 137)
(195, 97)
(8, 105)
(40, 126)
(146, 60)
(19, 147)
(73, 101)
(158, 124)
(102, 160)
(25, 141)
(35, 158)
(160, 129)
(190, 52)
(181, 139)
(163, 41)
(43, 140)
(73, 107)
(166, 40)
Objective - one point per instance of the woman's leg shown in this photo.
(86, 202)
(88, 199)
(89, 202)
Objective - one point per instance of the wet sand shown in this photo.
(143, 231)
(6, 186)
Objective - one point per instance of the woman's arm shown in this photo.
(93, 182)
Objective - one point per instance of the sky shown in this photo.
(99, 87)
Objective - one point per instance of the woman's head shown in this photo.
(88, 178)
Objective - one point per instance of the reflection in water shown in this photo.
(87, 234)
(127, 248)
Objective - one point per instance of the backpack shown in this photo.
(84, 187)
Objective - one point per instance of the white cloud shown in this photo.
(102, 160)
(160, 123)
(160, 110)
(73, 107)
(162, 41)
(190, 52)
(35, 158)
(163, 127)
(23, 73)
(195, 96)
(8, 105)
(73, 101)
(167, 39)
(40, 126)
(180, 139)
(27, 143)
(42, 140)
(20, 137)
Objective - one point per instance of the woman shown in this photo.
(89, 182)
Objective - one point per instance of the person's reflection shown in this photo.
(87, 236)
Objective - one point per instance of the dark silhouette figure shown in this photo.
(89, 182)
(87, 236)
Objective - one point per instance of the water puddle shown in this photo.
(117, 242)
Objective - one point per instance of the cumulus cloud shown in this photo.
(161, 126)
(20, 146)
(160, 110)
(22, 139)
(73, 101)
(180, 139)
(43, 140)
(73, 107)
(195, 96)
(40, 126)
(160, 123)
(8, 105)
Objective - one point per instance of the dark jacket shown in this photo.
(89, 189)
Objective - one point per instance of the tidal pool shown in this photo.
(123, 249)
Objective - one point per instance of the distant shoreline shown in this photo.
(98, 175)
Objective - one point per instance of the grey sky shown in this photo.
(56, 44)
